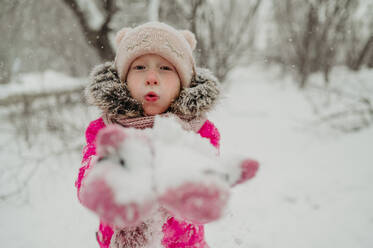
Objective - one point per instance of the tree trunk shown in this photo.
(153, 10)
(365, 52)
(98, 39)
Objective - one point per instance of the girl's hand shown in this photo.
(119, 188)
(249, 168)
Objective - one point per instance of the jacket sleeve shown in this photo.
(89, 150)
(208, 130)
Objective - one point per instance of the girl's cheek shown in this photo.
(134, 91)
(137, 93)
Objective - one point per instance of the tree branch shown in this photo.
(98, 39)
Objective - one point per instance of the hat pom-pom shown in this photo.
(191, 39)
(120, 35)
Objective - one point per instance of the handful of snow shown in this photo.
(119, 184)
(138, 170)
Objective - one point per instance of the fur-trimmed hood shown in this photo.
(106, 91)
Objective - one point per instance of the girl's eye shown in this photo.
(166, 68)
(139, 67)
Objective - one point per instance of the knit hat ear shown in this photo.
(120, 35)
(189, 36)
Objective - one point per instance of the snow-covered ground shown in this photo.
(314, 187)
(48, 81)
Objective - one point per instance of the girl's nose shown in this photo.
(152, 78)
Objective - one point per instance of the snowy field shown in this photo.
(314, 187)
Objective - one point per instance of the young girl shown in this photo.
(154, 73)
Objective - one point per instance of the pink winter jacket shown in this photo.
(176, 234)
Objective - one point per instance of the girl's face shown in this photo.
(154, 82)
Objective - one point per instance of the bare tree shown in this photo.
(29, 117)
(98, 38)
(39, 35)
(7, 56)
(359, 40)
(370, 59)
(310, 34)
(364, 54)
(224, 29)
(153, 10)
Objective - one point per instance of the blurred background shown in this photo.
(298, 95)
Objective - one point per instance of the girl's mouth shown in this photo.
(151, 97)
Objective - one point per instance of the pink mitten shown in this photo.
(118, 186)
(249, 167)
(199, 203)
(200, 196)
(187, 177)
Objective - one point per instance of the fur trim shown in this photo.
(107, 92)
(131, 237)
(199, 98)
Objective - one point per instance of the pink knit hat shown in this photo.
(176, 46)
